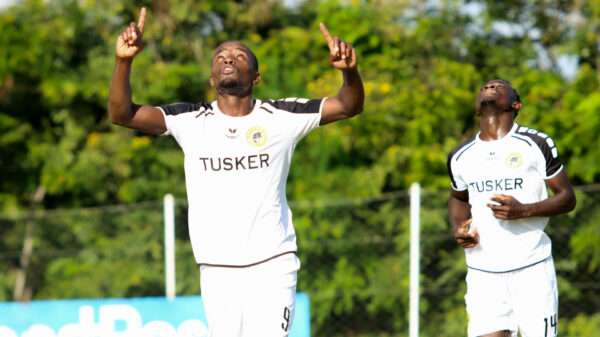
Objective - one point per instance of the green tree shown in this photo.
(422, 64)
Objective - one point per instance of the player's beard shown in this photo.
(488, 103)
(229, 83)
(231, 86)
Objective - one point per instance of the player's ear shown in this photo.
(516, 106)
(212, 81)
(256, 78)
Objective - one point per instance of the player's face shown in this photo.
(494, 94)
(233, 67)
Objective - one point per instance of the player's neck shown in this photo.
(495, 126)
(234, 105)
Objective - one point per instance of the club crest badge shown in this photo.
(256, 136)
(514, 160)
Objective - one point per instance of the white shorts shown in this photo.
(254, 301)
(524, 300)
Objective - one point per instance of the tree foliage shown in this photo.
(422, 63)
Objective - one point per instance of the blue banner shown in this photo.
(182, 316)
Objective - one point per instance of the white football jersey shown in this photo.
(515, 165)
(236, 170)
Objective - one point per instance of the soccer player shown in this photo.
(237, 156)
(498, 208)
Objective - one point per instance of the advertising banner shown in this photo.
(182, 316)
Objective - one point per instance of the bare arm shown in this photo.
(121, 109)
(562, 201)
(350, 99)
(459, 211)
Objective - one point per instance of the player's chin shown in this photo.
(229, 83)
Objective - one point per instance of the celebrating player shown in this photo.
(237, 156)
(498, 209)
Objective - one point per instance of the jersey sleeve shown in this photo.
(300, 115)
(177, 115)
(458, 184)
(552, 164)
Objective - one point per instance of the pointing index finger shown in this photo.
(142, 20)
(326, 34)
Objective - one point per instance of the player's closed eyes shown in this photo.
(220, 58)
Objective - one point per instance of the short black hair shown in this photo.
(254, 60)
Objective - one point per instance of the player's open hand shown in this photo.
(129, 42)
(506, 207)
(463, 237)
(341, 54)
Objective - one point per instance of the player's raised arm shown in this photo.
(121, 109)
(350, 99)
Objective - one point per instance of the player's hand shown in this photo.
(507, 208)
(341, 54)
(129, 42)
(463, 237)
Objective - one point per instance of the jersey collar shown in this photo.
(512, 131)
(215, 107)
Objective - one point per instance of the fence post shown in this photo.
(415, 208)
(169, 219)
(20, 293)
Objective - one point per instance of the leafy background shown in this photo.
(89, 194)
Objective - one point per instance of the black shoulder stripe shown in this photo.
(450, 174)
(462, 148)
(183, 107)
(296, 105)
(546, 145)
